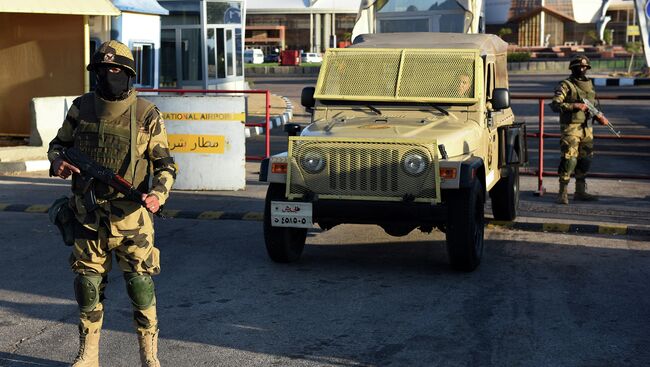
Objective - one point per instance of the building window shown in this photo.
(143, 55)
(223, 13)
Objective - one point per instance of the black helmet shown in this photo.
(580, 60)
(113, 53)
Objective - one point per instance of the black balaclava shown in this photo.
(113, 86)
(579, 73)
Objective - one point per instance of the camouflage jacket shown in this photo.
(568, 92)
(151, 149)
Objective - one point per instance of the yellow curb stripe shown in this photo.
(256, 216)
(555, 227)
(622, 229)
(210, 215)
(37, 209)
(500, 223)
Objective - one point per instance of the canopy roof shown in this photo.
(70, 7)
(141, 6)
(486, 43)
(302, 6)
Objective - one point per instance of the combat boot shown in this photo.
(581, 192)
(88, 355)
(148, 341)
(563, 195)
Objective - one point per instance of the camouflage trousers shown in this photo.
(577, 149)
(92, 254)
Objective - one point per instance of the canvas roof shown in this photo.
(487, 43)
(70, 7)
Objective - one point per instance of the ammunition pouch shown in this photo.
(62, 216)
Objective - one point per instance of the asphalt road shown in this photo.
(358, 297)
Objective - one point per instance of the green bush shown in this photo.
(518, 56)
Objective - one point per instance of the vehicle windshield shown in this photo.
(409, 75)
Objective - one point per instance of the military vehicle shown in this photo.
(408, 131)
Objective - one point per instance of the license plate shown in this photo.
(291, 214)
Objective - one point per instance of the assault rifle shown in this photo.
(91, 171)
(593, 111)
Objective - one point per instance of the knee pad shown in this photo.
(567, 165)
(87, 291)
(140, 289)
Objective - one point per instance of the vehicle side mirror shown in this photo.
(307, 97)
(292, 129)
(500, 99)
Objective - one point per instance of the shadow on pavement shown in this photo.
(14, 360)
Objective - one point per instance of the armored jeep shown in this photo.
(408, 131)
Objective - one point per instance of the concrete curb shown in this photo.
(25, 166)
(604, 229)
(620, 82)
(275, 121)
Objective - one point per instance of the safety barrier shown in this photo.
(540, 173)
(266, 125)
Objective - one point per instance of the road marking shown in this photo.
(622, 229)
(210, 215)
(556, 227)
(37, 209)
(611, 229)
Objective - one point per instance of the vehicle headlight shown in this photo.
(313, 161)
(415, 163)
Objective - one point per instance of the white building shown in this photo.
(310, 25)
(138, 27)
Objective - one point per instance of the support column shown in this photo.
(327, 30)
(334, 30)
(317, 33)
(542, 28)
(311, 32)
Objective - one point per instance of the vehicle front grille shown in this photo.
(362, 169)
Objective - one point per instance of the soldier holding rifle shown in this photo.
(124, 135)
(571, 100)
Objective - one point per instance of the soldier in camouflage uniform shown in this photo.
(577, 142)
(125, 133)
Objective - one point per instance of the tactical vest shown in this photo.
(577, 91)
(110, 141)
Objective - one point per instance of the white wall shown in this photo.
(586, 11)
(142, 28)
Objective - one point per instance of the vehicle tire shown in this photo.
(505, 196)
(465, 227)
(283, 244)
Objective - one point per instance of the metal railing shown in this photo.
(267, 118)
(540, 173)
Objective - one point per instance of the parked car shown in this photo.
(272, 58)
(253, 56)
(311, 57)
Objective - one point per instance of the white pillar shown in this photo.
(311, 32)
(327, 30)
(317, 33)
(542, 29)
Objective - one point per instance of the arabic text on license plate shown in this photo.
(291, 214)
